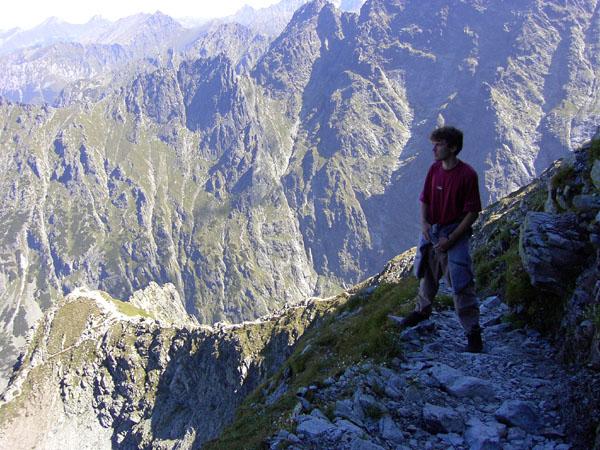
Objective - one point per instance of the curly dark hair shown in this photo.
(451, 135)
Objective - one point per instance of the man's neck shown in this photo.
(450, 163)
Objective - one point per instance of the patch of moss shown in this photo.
(373, 412)
(443, 301)
(594, 155)
(355, 331)
(537, 200)
(127, 308)
(564, 175)
(68, 324)
(543, 309)
(489, 261)
(566, 180)
(594, 151)
(593, 314)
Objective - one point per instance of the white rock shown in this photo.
(314, 427)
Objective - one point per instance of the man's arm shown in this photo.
(445, 244)
(425, 225)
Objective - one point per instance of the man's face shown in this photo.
(441, 151)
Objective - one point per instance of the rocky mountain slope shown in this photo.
(336, 372)
(252, 177)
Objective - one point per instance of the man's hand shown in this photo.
(443, 245)
(425, 227)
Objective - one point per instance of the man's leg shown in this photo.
(467, 308)
(428, 287)
(430, 283)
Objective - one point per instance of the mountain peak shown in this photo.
(52, 21)
(97, 18)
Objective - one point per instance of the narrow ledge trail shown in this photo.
(439, 397)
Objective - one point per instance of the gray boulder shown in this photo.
(389, 430)
(314, 427)
(440, 419)
(472, 387)
(519, 413)
(548, 244)
(482, 436)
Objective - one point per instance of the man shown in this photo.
(450, 204)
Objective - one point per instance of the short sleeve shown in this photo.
(425, 196)
(472, 199)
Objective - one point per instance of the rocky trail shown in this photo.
(439, 397)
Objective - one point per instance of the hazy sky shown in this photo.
(28, 13)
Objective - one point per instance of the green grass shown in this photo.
(127, 308)
(594, 152)
(443, 301)
(593, 314)
(358, 330)
(564, 175)
(490, 260)
(68, 324)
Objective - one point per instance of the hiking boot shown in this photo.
(415, 317)
(474, 342)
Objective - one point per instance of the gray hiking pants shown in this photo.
(434, 267)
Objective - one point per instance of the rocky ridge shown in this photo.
(526, 390)
(102, 373)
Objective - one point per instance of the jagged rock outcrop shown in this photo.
(238, 43)
(552, 247)
(164, 304)
(102, 373)
(157, 96)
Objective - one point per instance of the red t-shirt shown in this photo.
(450, 194)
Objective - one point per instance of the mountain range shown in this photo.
(252, 169)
